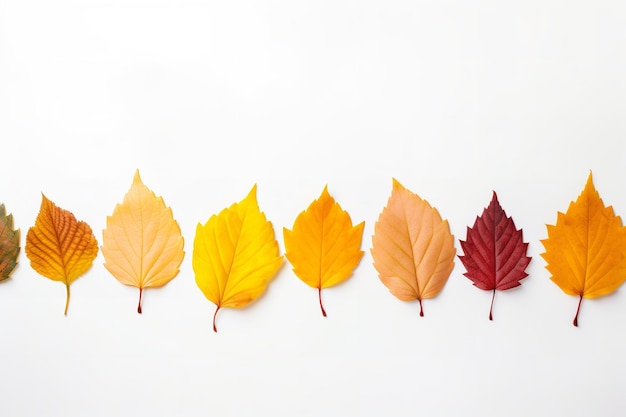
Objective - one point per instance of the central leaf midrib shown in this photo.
(495, 242)
(59, 245)
(587, 246)
(232, 261)
(321, 253)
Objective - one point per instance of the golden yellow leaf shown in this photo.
(60, 247)
(586, 249)
(323, 247)
(235, 255)
(142, 243)
(412, 247)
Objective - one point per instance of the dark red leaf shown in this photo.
(494, 252)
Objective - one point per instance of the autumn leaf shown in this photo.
(412, 247)
(323, 247)
(60, 247)
(142, 243)
(586, 249)
(9, 244)
(495, 253)
(235, 255)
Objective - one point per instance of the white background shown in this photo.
(455, 99)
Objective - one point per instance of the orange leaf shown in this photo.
(412, 247)
(586, 249)
(60, 247)
(323, 247)
(142, 244)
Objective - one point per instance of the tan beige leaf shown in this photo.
(412, 247)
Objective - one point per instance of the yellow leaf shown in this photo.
(60, 247)
(586, 249)
(412, 247)
(323, 247)
(235, 255)
(142, 243)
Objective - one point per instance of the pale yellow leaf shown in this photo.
(142, 243)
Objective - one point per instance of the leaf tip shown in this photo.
(325, 194)
(252, 193)
(137, 177)
(44, 199)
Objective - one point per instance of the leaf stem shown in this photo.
(421, 308)
(319, 293)
(214, 316)
(491, 308)
(67, 298)
(578, 311)
(139, 304)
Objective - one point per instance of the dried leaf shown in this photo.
(586, 249)
(9, 244)
(142, 243)
(495, 253)
(324, 247)
(60, 247)
(235, 255)
(412, 247)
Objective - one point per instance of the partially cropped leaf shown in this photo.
(9, 244)
(235, 255)
(412, 247)
(60, 247)
(142, 243)
(323, 247)
(586, 249)
(494, 252)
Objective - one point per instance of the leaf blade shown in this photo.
(586, 249)
(323, 246)
(142, 242)
(235, 255)
(60, 247)
(9, 244)
(412, 247)
(495, 255)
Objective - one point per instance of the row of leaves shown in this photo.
(235, 253)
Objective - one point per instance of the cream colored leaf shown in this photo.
(142, 243)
